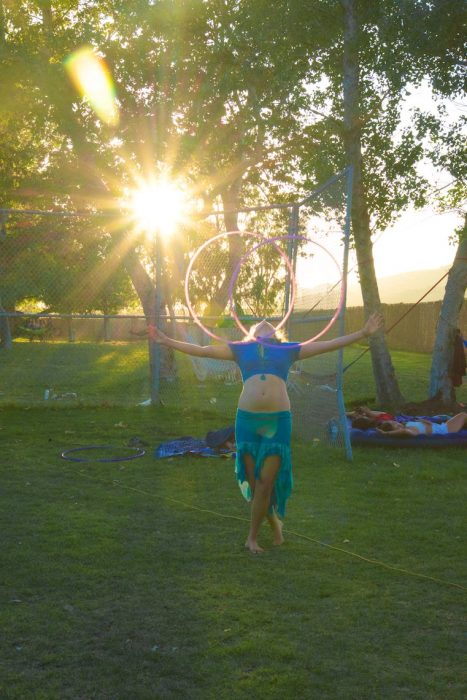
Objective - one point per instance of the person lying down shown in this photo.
(394, 428)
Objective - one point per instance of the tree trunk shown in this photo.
(446, 329)
(229, 197)
(2, 26)
(388, 394)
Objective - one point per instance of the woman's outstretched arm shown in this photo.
(317, 347)
(216, 352)
(398, 432)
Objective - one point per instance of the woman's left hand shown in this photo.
(374, 323)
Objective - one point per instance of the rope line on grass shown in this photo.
(374, 562)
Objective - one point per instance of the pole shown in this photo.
(292, 245)
(155, 348)
(340, 361)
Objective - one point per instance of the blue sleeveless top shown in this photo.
(264, 358)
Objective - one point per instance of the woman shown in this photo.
(263, 424)
(421, 426)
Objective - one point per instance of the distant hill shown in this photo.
(405, 288)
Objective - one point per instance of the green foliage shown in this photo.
(214, 90)
(68, 266)
(241, 99)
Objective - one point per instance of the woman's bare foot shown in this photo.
(276, 527)
(278, 537)
(253, 546)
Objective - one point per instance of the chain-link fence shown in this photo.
(75, 296)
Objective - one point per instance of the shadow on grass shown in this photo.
(112, 592)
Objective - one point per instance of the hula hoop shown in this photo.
(292, 302)
(236, 272)
(138, 452)
(202, 247)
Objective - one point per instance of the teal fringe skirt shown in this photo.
(261, 435)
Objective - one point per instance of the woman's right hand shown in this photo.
(374, 323)
(157, 335)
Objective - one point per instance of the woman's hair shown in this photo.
(280, 334)
(386, 426)
(363, 422)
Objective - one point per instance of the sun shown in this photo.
(158, 206)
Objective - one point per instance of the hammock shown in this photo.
(208, 368)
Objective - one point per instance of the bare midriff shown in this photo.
(263, 393)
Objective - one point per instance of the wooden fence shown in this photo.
(416, 332)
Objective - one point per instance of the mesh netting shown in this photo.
(78, 326)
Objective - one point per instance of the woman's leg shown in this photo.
(457, 422)
(273, 520)
(276, 527)
(261, 500)
(249, 463)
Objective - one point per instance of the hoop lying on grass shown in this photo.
(93, 453)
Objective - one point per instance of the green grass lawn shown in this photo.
(130, 580)
(117, 374)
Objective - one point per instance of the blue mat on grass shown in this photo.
(188, 445)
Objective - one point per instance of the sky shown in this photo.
(419, 240)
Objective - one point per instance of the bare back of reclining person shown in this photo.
(394, 428)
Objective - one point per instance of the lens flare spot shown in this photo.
(91, 77)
